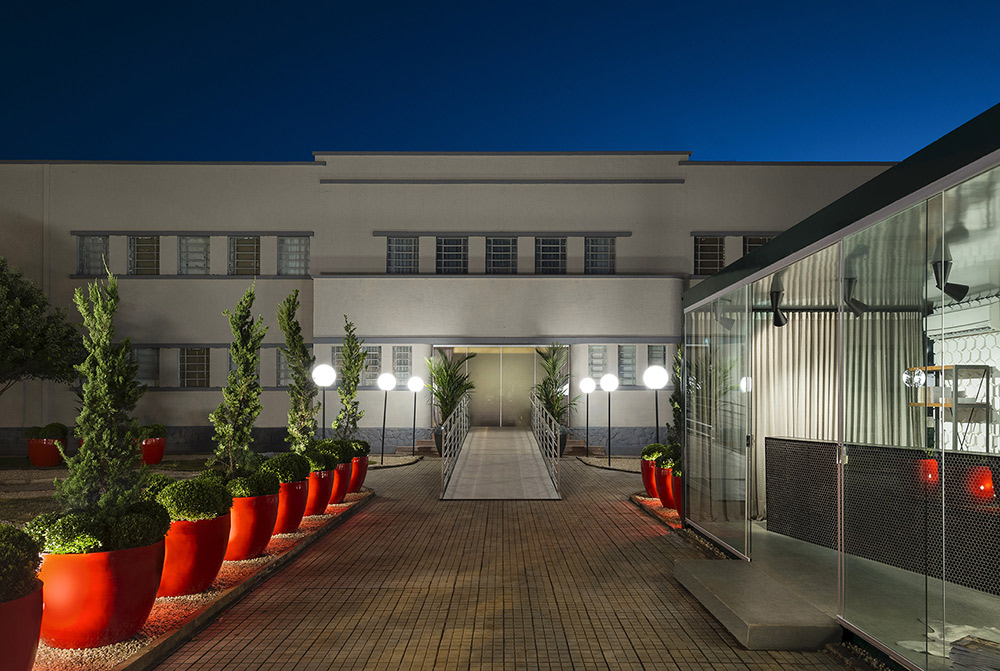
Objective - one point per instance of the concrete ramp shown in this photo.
(760, 612)
(500, 463)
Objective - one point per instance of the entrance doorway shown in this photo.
(503, 377)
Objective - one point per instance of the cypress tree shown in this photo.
(102, 474)
(352, 362)
(302, 390)
(235, 416)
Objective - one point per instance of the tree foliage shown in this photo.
(449, 382)
(102, 474)
(36, 341)
(352, 363)
(302, 391)
(553, 390)
(675, 429)
(235, 416)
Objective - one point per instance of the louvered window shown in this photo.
(143, 255)
(452, 256)
(599, 256)
(244, 255)
(597, 356)
(92, 252)
(501, 256)
(194, 366)
(402, 363)
(193, 255)
(293, 255)
(402, 256)
(148, 359)
(709, 255)
(550, 256)
(626, 365)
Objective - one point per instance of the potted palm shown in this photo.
(42, 448)
(292, 471)
(20, 598)
(154, 441)
(102, 553)
(449, 382)
(648, 466)
(553, 390)
(199, 533)
(235, 464)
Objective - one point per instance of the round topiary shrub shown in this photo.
(53, 431)
(39, 526)
(192, 500)
(75, 533)
(155, 485)
(19, 563)
(261, 483)
(652, 451)
(153, 431)
(361, 448)
(158, 515)
(288, 466)
(318, 459)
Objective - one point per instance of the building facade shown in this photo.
(490, 253)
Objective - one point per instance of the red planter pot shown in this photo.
(320, 489)
(677, 489)
(648, 477)
(43, 452)
(194, 552)
(358, 474)
(291, 506)
(152, 450)
(98, 598)
(341, 482)
(253, 520)
(979, 483)
(21, 622)
(927, 472)
(663, 477)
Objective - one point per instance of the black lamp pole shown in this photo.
(609, 428)
(586, 441)
(324, 413)
(656, 404)
(385, 407)
(413, 445)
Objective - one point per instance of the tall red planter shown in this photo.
(42, 452)
(648, 469)
(320, 489)
(253, 520)
(21, 623)
(677, 489)
(152, 450)
(291, 506)
(341, 482)
(194, 553)
(358, 474)
(98, 598)
(663, 477)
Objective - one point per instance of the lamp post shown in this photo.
(324, 375)
(587, 385)
(386, 381)
(414, 384)
(609, 383)
(656, 378)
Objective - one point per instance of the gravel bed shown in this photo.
(170, 613)
(627, 464)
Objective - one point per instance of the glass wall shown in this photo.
(842, 424)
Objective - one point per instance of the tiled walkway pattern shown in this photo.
(500, 463)
(412, 582)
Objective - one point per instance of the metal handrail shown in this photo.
(454, 431)
(546, 431)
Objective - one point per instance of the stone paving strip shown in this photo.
(418, 583)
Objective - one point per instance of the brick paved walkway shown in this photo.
(415, 583)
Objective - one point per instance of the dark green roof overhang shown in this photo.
(966, 144)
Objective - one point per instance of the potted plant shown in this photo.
(154, 440)
(42, 448)
(552, 392)
(20, 598)
(292, 471)
(647, 464)
(199, 533)
(341, 455)
(103, 551)
(321, 470)
(662, 476)
(359, 464)
(449, 382)
(235, 464)
(302, 391)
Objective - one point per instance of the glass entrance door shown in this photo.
(503, 377)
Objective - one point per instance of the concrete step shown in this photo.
(759, 611)
(580, 450)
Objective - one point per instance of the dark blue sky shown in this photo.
(277, 80)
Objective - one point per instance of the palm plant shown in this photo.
(553, 391)
(449, 382)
